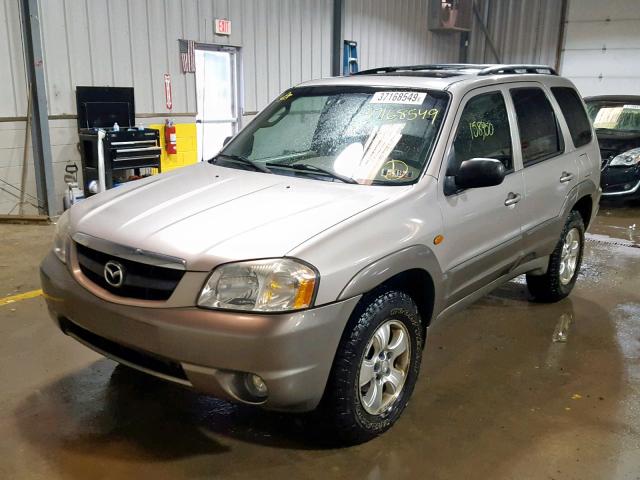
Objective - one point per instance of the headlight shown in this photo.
(61, 238)
(272, 285)
(626, 159)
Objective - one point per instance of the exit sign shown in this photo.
(222, 26)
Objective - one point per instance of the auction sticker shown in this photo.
(407, 98)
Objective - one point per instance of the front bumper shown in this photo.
(621, 182)
(205, 349)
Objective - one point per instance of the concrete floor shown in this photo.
(497, 398)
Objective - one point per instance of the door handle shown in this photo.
(566, 177)
(512, 199)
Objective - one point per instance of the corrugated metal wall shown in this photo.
(13, 103)
(523, 31)
(396, 33)
(135, 42)
(13, 98)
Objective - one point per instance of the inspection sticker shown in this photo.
(409, 98)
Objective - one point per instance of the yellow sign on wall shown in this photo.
(187, 147)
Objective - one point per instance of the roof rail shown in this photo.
(517, 68)
(478, 69)
(418, 68)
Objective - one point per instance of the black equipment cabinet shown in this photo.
(126, 151)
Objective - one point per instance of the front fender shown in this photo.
(415, 257)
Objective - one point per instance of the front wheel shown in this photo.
(375, 369)
(564, 264)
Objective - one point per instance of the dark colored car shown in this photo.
(616, 119)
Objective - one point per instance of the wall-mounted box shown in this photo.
(450, 15)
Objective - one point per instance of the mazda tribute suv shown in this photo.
(300, 268)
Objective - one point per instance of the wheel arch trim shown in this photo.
(586, 188)
(416, 257)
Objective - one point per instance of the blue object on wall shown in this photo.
(350, 57)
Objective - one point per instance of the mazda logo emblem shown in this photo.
(114, 273)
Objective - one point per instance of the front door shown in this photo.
(482, 225)
(217, 97)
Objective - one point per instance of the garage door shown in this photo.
(601, 51)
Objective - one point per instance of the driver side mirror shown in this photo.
(477, 173)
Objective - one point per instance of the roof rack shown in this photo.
(418, 68)
(517, 68)
(462, 68)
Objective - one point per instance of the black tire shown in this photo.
(549, 288)
(341, 409)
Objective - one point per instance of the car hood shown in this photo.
(206, 214)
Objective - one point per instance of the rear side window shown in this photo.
(483, 132)
(574, 114)
(539, 134)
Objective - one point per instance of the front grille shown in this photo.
(141, 280)
(149, 361)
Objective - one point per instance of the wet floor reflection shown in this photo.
(561, 332)
(618, 220)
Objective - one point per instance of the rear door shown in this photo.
(482, 225)
(550, 166)
(580, 131)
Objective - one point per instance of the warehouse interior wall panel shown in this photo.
(13, 94)
(396, 33)
(135, 42)
(601, 51)
(13, 107)
(523, 31)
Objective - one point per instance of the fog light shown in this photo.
(255, 385)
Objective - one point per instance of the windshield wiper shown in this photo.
(243, 160)
(305, 167)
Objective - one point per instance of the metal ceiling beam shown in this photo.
(561, 34)
(337, 36)
(40, 140)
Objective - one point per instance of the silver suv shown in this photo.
(300, 268)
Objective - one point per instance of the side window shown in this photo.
(574, 114)
(539, 134)
(483, 132)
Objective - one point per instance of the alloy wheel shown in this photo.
(384, 367)
(569, 256)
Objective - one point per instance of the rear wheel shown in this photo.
(375, 368)
(564, 264)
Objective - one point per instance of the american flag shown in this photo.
(188, 56)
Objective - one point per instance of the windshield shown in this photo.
(360, 135)
(609, 115)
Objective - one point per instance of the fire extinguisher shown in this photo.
(170, 143)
